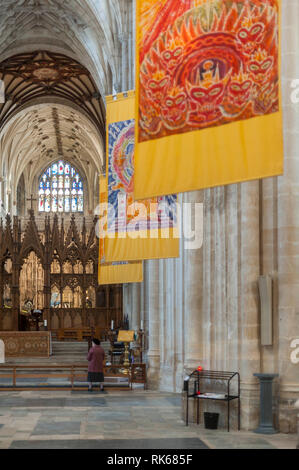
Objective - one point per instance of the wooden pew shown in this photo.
(136, 373)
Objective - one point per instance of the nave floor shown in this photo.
(111, 420)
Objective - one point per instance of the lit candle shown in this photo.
(141, 325)
(112, 323)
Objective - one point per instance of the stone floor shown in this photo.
(113, 420)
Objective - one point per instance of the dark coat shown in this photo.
(96, 356)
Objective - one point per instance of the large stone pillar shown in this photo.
(143, 314)
(193, 292)
(167, 325)
(127, 301)
(219, 287)
(135, 307)
(233, 252)
(249, 348)
(47, 275)
(288, 221)
(15, 289)
(152, 285)
(178, 321)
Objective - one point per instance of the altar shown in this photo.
(26, 343)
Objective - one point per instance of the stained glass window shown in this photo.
(61, 189)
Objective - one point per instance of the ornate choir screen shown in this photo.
(55, 271)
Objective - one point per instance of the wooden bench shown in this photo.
(135, 373)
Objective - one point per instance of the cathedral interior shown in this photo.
(58, 61)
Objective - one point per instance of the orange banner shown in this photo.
(208, 107)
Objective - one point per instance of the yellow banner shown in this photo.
(114, 273)
(208, 107)
(120, 273)
(135, 231)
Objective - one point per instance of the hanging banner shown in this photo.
(114, 273)
(208, 107)
(120, 273)
(135, 230)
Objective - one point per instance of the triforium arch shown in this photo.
(69, 258)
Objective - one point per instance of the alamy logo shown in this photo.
(295, 93)
(2, 92)
(295, 352)
(188, 222)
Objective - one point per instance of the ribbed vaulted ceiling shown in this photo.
(38, 75)
(58, 60)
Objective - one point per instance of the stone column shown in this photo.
(288, 222)
(47, 275)
(193, 293)
(152, 285)
(249, 348)
(297, 408)
(143, 317)
(178, 323)
(15, 289)
(135, 307)
(232, 201)
(219, 289)
(124, 40)
(127, 301)
(83, 298)
(1, 296)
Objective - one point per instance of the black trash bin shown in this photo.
(211, 420)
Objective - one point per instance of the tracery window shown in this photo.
(61, 189)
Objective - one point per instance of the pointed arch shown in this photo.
(61, 189)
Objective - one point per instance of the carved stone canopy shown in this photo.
(70, 246)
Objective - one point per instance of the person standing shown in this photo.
(96, 356)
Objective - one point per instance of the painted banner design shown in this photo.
(157, 212)
(114, 273)
(215, 64)
(202, 64)
(136, 230)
